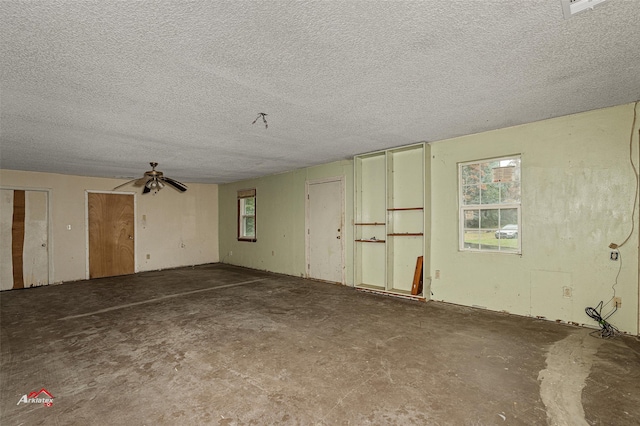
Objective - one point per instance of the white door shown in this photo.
(24, 236)
(325, 212)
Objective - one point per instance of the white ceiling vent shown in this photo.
(571, 7)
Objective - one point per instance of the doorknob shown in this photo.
(130, 237)
(44, 244)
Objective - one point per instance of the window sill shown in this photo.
(466, 250)
(248, 240)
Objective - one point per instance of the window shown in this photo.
(490, 205)
(247, 215)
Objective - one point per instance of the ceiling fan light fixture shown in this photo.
(154, 185)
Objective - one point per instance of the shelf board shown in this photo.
(406, 234)
(370, 286)
(370, 241)
(405, 208)
(401, 291)
(392, 292)
(370, 223)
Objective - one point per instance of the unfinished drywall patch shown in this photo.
(551, 295)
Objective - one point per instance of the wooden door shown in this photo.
(325, 230)
(111, 234)
(24, 238)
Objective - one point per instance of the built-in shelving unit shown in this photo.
(389, 211)
(370, 221)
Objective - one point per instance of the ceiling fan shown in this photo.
(154, 180)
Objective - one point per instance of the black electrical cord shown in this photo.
(607, 330)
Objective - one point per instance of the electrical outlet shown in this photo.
(148, 256)
(566, 292)
(617, 301)
(614, 255)
(437, 274)
(230, 253)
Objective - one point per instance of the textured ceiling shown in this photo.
(103, 88)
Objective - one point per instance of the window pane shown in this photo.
(508, 232)
(471, 174)
(487, 170)
(490, 193)
(509, 217)
(249, 206)
(489, 219)
(249, 226)
(506, 241)
(471, 219)
(510, 193)
(472, 239)
(470, 195)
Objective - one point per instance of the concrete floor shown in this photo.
(216, 344)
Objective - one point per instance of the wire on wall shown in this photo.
(615, 283)
(607, 330)
(635, 172)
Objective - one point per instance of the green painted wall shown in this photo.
(577, 197)
(280, 220)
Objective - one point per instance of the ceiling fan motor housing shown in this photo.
(156, 181)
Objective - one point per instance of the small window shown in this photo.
(247, 215)
(490, 205)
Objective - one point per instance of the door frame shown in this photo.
(49, 192)
(86, 226)
(307, 241)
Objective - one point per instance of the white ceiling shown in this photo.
(103, 88)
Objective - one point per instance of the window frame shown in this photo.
(463, 208)
(244, 195)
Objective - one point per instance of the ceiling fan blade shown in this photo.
(141, 181)
(146, 190)
(177, 185)
(124, 184)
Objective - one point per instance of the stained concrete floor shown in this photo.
(217, 344)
